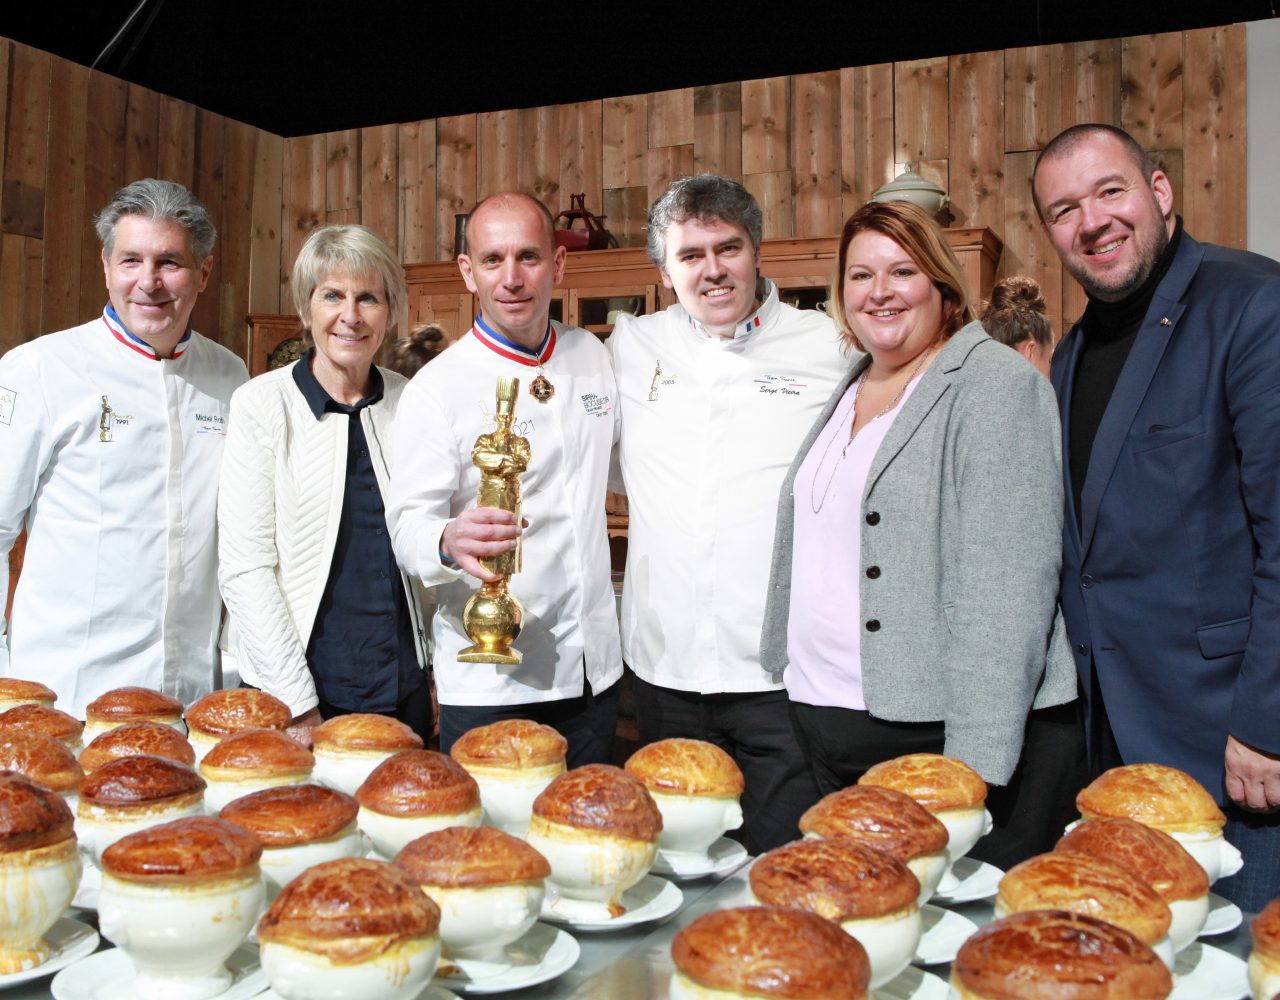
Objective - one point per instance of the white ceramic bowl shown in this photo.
(1264, 978)
(692, 823)
(479, 922)
(97, 828)
(507, 796)
(179, 936)
(589, 865)
(388, 834)
(281, 865)
(399, 973)
(965, 827)
(346, 770)
(218, 793)
(1212, 852)
(36, 887)
(1189, 916)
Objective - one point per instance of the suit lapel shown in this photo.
(1063, 376)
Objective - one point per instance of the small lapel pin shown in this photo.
(1165, 321)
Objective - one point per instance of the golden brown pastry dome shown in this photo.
(938, 783)
(837, 879)
(41, 758)
(15, 691)
(880, 817)
(31, 815)
(1153, 794)
(135, 781)
(220, 713)
(419, 783)
(194, 849)
(604, 798)
(256, 752)
(42, 719)
(350, 910)
(135, 739)
(768, 951)
(1056, 955)
(1150, 854)
(292, 814)
(1084, 884)
(469, 857)
(516, 744)
(364, 731)
(686, 767)
(129, 704)
(1266, 932)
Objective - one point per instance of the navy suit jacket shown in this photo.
(1171, 583)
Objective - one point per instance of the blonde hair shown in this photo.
(352, 250)
(1017, 312)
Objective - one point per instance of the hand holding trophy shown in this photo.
(493, 615)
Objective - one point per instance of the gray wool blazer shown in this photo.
(963, 516)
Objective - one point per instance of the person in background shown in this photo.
(423, 344)
(1169, 387)
(1016, 316)
(716, 392)
(111, 435)
(912, 601)
(322, 617)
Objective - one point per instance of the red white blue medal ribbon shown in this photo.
(540, 388)
(122, 334)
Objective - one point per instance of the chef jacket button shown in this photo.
(873, 625)
(873, 517)
(873, 572)
(1086, 581)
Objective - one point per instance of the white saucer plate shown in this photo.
(1203, 972)
(68, 940)
(722, 856)
(109, 975)
(652, 898)
(86, 897)
(975, 880)
(1224, 916)
(944, 933)
(432, 992)
(913, 984)
(541, 955)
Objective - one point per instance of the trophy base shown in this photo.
(479, 654)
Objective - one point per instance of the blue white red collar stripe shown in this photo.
(512, 351)
(744, 327)
(122, 334)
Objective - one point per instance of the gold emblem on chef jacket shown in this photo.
(653, 385)
(493, 616)
(104, 421)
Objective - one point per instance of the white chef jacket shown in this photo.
(119, 584)
(709, 428)
(565, 585)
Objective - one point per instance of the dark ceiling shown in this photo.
(299, 68)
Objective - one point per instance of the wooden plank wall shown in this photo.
(811, 147)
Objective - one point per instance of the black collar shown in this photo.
(319, 401)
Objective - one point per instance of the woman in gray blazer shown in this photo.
(913, 595)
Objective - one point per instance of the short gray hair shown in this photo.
(159, 200)
(704, 197)
(347, 249)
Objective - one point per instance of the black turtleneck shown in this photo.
(1109, 330)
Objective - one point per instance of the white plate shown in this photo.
(976, 880)
(722, 856)
(1203, 972)
(652, 898)
(541, 955)
(86, 897)
(913, 984)
(109, 975)
(1224, 916)
(944, 933)
(68, 940)
(432, 992)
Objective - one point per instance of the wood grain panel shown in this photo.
(671, 117)
(19, 290)
(815, 153)
(666, 164)
(920, 110)
(582, 154)
(302, 187)
(65, 215)
(498, 152)
(416, 143)
(624, 125)
(142, 127)
(176, 141)
(1027, 250)
(540, 164)
(717, 130)
(6, 58)
(777, 201)
(266, 278)
(455, 176)
(977, 139)
(104, 174)
(342, 176)
(237, 236)
(766, 125)
(1032, 96)
(1093, 83)
(22, 196)
(1151, 89)
(380, 183)
(866, 133)
(1214, 157)
(626, 210)
(211, 153)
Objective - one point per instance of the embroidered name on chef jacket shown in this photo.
(211, 423)
(596, 404)
(7, 400)
(780, 385)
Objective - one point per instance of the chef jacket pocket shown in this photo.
(1223, 638)
(1159, 435)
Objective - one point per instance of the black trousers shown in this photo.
(757, 731)
(588, 722)
(1029, 813)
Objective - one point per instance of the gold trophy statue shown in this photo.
(493, 616)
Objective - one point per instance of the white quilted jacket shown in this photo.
(279, 501)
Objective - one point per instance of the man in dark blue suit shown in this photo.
(1169, 389)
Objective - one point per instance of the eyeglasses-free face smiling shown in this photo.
(712, 267)
(892, 307)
